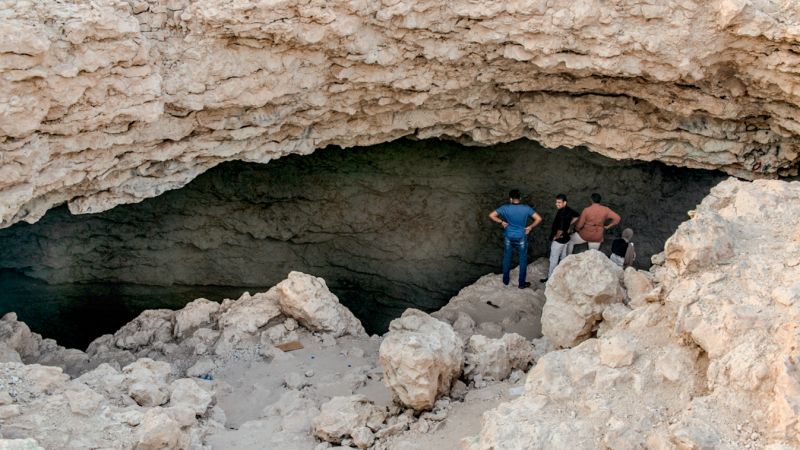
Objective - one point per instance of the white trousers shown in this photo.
(576, 239)
(618, 260)
(558, 251)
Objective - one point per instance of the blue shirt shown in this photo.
(517, 217)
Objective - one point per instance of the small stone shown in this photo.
(294, 381)
(363, 437)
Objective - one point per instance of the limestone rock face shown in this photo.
(108, 103)
(708, 364)
(581, 287)
(421, 357)
(307, 299)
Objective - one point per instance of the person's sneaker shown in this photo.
(543, 280)
(526, 285)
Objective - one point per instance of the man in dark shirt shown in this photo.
(559, 234)
(513, 216)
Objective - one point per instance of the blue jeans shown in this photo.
(521, 244)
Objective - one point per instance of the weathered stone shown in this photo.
(717, 354)
(146, 381)
(363, 437)
(307, 299)
(150, 327)
(487, 358)
(637, 285)
(84, 401)
(342, 416)
(421, 357)
(159, 431)
(188, 393)
(581, 287)
(617, 351)
(250, 313)
(194, 315)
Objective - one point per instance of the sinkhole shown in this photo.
(389, 227)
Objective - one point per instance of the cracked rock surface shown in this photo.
(112, 101)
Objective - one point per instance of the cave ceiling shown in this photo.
(109, 102)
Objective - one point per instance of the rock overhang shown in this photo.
(116, 101)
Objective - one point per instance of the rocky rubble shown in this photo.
(705, 359)
(110, 102)
(138, 407)
(245, 392)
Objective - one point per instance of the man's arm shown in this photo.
(581, 221)
(496, 218)
(571, 228)
(614, 219)
(537, 219)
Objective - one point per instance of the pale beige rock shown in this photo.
(84, 402)
(520, 351)
(711, 367)
(250, 312)
(637, 285)
(493, 359)
(159, 431)
(581, 287)
(342, 416)
(363, 437)
(194, 315)
(486, 358)
(146, 381)
(108, 103)
(617, 351)
(188, 393)
(307, 299)
(421, 357)
(150, 327)
(489, 308)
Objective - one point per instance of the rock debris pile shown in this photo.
(701, 352)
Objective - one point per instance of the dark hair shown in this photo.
(514, 194)
(561, 197)
(596, 198)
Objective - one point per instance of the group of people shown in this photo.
(569, 229)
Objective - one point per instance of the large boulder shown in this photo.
(307, 299)
(421, 357)
(250, 312)
(151, 328)
(581, 287)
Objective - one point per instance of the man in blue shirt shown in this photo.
(513, 216)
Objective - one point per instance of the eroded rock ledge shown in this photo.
(110, 102)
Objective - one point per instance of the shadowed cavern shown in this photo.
(392, 226)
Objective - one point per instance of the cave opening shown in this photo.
(392, 226)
